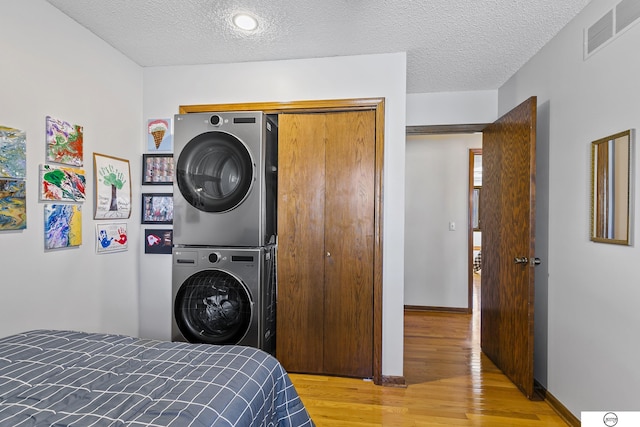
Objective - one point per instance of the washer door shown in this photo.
(213, 307)
(214, 172)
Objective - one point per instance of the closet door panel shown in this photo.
(301, 223)
(349, 243)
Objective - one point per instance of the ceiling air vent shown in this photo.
(611, 25)
(599, 33)
(627, 12)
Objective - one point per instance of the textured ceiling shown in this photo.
(451, 45)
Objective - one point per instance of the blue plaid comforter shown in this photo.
(63, 378)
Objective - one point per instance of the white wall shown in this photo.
(447, 108)
(52, 66)
(367, 76)
(437, 193)
(592, 334)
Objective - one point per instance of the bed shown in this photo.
(65, 378)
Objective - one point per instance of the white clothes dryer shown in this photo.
(225, 296)
(225, 187)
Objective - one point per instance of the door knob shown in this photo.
(328, 254)
(525, 260)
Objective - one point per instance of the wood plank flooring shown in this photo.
(449, 383)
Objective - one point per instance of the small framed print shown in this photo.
(158, 241)
(157, 169)
(157, 208)
(111, 237)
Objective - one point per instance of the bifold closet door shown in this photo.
(300, 303)
(326, 241)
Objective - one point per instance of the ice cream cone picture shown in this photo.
(157, 129)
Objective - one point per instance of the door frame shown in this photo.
(462, 129)
(334, 105)
(472, 154)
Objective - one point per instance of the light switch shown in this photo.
(452, 226)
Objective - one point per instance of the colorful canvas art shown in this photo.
(62, 183)
(62, 226)
(111, 237)
(13, 207)
(64, 142)
(13, 153)
(159, 135)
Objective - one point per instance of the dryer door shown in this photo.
(213, 307)
(215, 172)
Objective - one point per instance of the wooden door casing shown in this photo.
(508, 225)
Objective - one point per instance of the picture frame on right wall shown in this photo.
(157, 208)
(158, 241)
(157, 169)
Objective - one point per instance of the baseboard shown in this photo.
(557, 406)
(390, 381)
(437, 309)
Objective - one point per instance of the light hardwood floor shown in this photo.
(449, 383)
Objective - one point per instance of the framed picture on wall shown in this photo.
(157, 169)
(157, 208)
(158, 241)
(113, 187)
(111, 237)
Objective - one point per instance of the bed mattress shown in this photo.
(65, 378)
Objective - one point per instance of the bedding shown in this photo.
(477, 263)
(65, 378)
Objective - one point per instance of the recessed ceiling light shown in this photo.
(245, 22)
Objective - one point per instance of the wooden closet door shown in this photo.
(301, 183)
(349, 226)
(326, 242)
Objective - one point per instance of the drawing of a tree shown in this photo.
(113, 177)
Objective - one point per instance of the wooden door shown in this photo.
(349, 225)
(301, 256)
(508, 245)
(326, 216)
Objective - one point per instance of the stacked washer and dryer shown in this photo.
(224, 232)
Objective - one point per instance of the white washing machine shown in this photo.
(225, 186)
(225, 296)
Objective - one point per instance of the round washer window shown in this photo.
(214, 172)
(213, 307)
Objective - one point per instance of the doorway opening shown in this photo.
(475, 227)
(439, 244)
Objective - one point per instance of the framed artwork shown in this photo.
(13, 153)
(64, 142)
(157, 208)
(113, 187)
(158, 241)
(475, 208)
(13, 206)
(111, 237)
(157, 169)
(62, 226)
(159, 135)
(62, 183)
